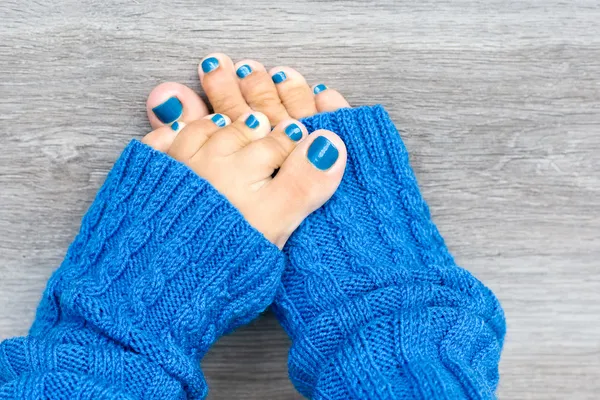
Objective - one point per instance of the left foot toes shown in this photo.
(270, 152)
(306, 180)
(240, 158)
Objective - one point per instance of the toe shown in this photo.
(170, 103)
(306, 180)
(259, 90)
(161, 138)
(294, 92)
(248, 128)
(270, 152)
(219, 81)
(327, 99)
(195, 134)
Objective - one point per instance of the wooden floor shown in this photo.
(500, 101)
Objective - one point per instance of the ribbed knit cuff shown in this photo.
(163, 265)
(372, 299)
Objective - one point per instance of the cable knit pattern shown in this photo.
(163, 265)
(372, 299)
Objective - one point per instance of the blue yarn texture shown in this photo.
(162, 266)
(374, 303)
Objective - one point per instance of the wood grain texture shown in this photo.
(501, 106)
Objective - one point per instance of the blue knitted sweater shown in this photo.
(164, 265)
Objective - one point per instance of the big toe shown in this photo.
(306, 180)
(171, 104)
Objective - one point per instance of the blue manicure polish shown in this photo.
(175, 126)
(219, 120)
(168, 111)
(322, 153)
(319, 88)
(279, 77)
(294, 132)
(210, 64)
(243, 71)
(252, 122)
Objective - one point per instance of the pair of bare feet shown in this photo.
(254, 133)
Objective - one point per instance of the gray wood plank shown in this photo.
(501, 106)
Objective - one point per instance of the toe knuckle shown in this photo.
(272, 151)
(296, 93)
(277, 148)
(240, 135)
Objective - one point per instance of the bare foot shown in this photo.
(240, 158)
(236, 89)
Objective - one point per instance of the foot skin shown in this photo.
(239, 159)
(236, 89)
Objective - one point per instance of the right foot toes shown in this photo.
(170, 104)
(259, 90)
(328, 100)
(220, 83)
(294, 92)
(169, 107)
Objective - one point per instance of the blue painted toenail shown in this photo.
(168, 111)
(210, 64)
(279, 77)
(319, 88)
(175, 126)
(252, 122)
(322, 153)
(294, 132)
(219, 120)
(243, 71)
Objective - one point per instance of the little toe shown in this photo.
(195, 134)
(294, 92)
(259, 90)
(327, 99)
(234, 137)
(306, 180)
(219, 81)
(170, 104)
(161, 138)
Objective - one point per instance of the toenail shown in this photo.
(294, 132)
(252, 122)
(279, 77)
(322, 153)
(243, 71)
(210, 64)
(319, 88)
(168, 111)
(219, 120)
(177, 126)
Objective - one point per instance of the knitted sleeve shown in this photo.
(162, 266)
(374, 303)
